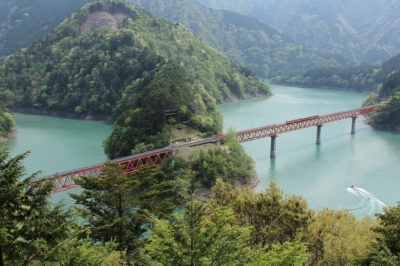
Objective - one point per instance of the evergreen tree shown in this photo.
(118, 206)
(30, 227)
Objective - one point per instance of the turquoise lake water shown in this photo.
(322, 174)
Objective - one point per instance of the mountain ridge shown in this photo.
(369, 29)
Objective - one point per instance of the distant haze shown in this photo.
(357, 28)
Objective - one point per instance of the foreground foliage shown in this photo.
(338, 237)
(118, 206)
(210, 234)
(30, 227)
(128, 220)
(385, 251)
(275, 218)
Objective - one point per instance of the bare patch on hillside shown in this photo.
(100, 19)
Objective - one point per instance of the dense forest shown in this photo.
(330, 26)
(245, 40)
(130, 220)
(361, 78)
(24, 21)
(115, 59)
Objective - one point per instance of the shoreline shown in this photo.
(9, 136)
(386, 127)
(246, 97)
(62, 114)
(322, 87)
(205, 194)
(112, 118)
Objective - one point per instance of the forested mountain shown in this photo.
(115, 59)
(23, 21)
(245, 40)
(365, 29)
(361, 78)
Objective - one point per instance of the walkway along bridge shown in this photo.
(65, 181)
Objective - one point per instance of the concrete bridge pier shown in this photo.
(218, 142)
(353, 125)
(273, 147)
(319, 134)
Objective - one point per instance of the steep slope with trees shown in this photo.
(245, 40)
(367, 30)
(361, 78)
(115, 59)
(23, 21)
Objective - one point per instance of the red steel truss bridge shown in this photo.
(65, 181)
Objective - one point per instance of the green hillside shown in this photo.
(115, 59)
(23, 21)
(245, 40)
(357, 78)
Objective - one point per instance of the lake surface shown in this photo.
(322, 174)
(59, 144)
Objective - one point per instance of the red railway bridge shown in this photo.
(65, 181)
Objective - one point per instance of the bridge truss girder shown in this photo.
(66, 181)
(289, 126)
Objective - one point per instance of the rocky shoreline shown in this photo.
(206, 194)
(386, 127)
(9, 136)
(389, 127)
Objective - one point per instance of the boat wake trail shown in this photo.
(369, 204)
